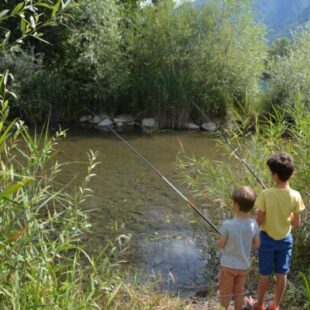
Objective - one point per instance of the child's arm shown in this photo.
(295, 216)
(221, 242)
(295, 220)
(256, 242)
(260, 217)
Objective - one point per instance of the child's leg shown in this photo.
(266, 257)
(238, 291)
(261, 290)
(226, 283)
(279, 289)
(282, 265)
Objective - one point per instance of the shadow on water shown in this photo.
(168, 239)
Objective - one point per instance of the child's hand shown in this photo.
(295, 220)
(221, 242)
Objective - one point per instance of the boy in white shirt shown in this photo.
(238, 236)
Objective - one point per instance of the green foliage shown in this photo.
(116, 56)
(22, 85)
(307, 288)
(95, 55)
(86, 67)
(42, 258)
(22, 19)
(42, 225)
(290, 74)
(213, 55)
(282, 130)
(279, 48)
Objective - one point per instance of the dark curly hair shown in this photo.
(282, 164)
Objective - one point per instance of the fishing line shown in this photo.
(226, 140)
(188, 202)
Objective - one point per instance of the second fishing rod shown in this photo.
(227, 142)
(188, 202)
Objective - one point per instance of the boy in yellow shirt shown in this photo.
(278, 210)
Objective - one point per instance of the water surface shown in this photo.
(168, 240)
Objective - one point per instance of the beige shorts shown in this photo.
(232, 281)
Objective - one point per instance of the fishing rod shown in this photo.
(226, 140)
(189, 203)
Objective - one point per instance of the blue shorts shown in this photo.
(274, 255)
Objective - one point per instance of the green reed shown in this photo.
(42, 260)
(307, 289)
(256, 139)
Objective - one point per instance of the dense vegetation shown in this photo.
(286, 129)
(152, 60)
(43, 263)
(116, 56)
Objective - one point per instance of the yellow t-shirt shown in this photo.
(278, 206)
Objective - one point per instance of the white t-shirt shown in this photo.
(239, 235)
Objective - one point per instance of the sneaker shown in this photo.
(259, 308)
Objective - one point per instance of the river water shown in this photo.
(168, 241)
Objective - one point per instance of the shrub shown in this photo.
(290, 74)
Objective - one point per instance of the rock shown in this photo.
(120, 124)
(124, 118)
(103, 116)
(96, 119)
(209, 126)
(148, 122)
(84, 119)
(191, 126)
(105, 123)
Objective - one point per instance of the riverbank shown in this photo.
(126, 122)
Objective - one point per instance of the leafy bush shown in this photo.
(290, 74)
(212, 54)
(149, 60)
(95, 59)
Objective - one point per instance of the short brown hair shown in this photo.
(282, 164)
(245, 197)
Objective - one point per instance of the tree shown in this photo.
(290, 75)
(20, 20)
(94, 57)
(213, 55)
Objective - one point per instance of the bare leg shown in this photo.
(262, 288)
(239, 284)
(279, 288)
(226, 283)
(225, 302)
(238, 302)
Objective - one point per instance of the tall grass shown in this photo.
(286, 130)
(307, 289)
(41, 225)
(43, 262)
